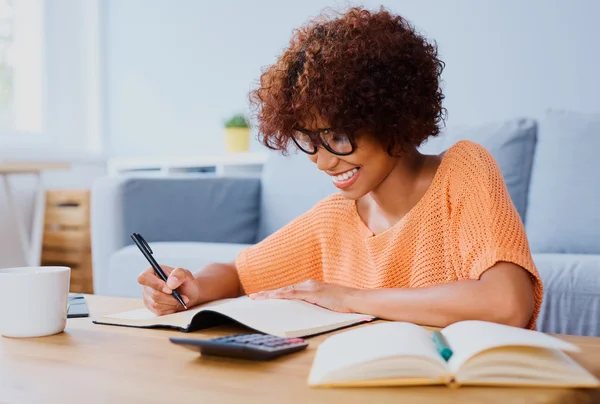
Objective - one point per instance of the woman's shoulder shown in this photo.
(332, 203)
(327, 211)
(466, 153)
(468, 160)
(469, 167)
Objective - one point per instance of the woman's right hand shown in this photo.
(157, 293)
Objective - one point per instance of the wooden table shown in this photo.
(91, 363)
(31, 246)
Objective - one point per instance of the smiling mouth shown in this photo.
(344, 176)
(346, 179)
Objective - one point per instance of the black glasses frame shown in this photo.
(316, 138)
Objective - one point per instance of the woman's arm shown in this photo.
(504, 294)
(218, 281)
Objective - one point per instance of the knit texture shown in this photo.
(463, 225)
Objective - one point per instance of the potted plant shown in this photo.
(237, 134)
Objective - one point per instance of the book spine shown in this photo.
(451, 382)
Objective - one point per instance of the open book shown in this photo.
(284, 318)
(394, 354)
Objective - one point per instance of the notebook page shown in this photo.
(144, 317)
(368, 344)
(283, 317)
(468, 338)
(277, 317)
(523, 365)
(140, 314)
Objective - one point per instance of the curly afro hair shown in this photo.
(361, 71)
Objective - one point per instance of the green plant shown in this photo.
(237, 121)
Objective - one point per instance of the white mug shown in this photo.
(33, 301)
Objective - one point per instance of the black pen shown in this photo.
(147, 251)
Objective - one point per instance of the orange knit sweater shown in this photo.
(463, 225)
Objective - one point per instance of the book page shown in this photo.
(468, 338)
(144, 318)
(140, 314)
(357, 350)
(525, 365)
(286, 318)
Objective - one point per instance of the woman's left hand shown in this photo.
(332, 297)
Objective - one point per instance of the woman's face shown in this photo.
(358, 173)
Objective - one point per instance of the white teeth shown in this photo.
(345, 176)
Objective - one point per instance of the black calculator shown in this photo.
(246, 346)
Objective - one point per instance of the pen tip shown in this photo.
(184, 306)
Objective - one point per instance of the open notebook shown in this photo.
(392, 354)
(284, 318)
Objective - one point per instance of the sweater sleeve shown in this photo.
(289, 256)
(486, 225)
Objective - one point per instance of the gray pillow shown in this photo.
(564, 208)
(192, 208)
(512, 143)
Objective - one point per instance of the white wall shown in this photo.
(175, 69)
(66, 136)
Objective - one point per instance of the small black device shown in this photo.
(259, 347)
(77, 306)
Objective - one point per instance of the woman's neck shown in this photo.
(403, 187)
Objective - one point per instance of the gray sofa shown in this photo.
(550, 167)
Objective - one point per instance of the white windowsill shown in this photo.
(222, 163)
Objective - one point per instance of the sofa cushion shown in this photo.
(182, 208)
(564, 207)
(511, 143)
(291, 185)
(571, 302)
(126, 264)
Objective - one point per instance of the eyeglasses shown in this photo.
(333, 141)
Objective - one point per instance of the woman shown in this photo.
(410, 237)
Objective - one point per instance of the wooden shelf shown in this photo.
(66, 239)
